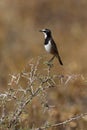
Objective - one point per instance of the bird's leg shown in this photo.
(49, 63)
(51, 59)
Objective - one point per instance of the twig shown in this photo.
(62, 123)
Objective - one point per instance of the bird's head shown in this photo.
(46, 32)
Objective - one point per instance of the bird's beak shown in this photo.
(40, 30)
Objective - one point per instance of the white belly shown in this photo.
(48, 47)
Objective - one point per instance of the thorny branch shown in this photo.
(62, 123)
(44, 82)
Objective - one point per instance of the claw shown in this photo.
(50, 64)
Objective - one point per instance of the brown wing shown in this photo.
(55, 51)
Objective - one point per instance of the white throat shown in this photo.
(48, 47)
(45, 35)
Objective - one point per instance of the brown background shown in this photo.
(20, 41)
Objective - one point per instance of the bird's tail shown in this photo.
(60, 61)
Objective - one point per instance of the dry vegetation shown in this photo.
(62, 90)
(36, 100)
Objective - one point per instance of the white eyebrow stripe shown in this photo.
(43, 30)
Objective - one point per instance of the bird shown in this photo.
(50, 45)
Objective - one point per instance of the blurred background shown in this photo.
(20, 41)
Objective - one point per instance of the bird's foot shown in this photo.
(50, 64)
